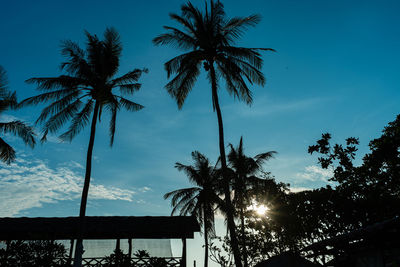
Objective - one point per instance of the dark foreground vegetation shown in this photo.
(357, 196)
(51, 253)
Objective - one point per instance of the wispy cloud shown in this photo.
(299, 189)
(31, 183)
(315, 173)
(265, 107)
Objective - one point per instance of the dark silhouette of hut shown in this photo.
(90, 227)
(286, 259)
(377, 245)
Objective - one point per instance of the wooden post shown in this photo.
(71, 250)
(130, 248)
(183, 264)
(118, 253)
(118, 246)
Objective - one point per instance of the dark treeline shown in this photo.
(362, 195)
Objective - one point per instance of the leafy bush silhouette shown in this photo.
(118, 259)
(40, 253)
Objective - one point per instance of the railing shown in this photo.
(136, 262)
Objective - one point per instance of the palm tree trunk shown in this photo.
(85, 191)
(244, 248)
(227, 193)
(205, 240)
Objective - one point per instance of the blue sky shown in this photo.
(336, 70)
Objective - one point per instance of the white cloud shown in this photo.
(29, 183)
(299, 189)
(315, 173)
(144, 189)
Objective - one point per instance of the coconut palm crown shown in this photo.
(85, 91)
(245, 183)
(8, 100)
(87, 88)
(201, 200)
(207, 40)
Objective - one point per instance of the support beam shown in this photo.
(184, 255)
(118, 245)
(130, 248)
(71, 251)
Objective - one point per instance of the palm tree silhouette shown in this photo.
(84, 92)
(8, 100)
(209, 38)
(201, 200)
(245, 182)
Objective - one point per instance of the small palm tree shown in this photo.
(86, 90)
(199, 201)
(208, 40)
(245, 182)
(8, 100)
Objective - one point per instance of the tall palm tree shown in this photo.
(8, 100)
(85, 91)
(208, 40)
(245, 182)
(201, 200)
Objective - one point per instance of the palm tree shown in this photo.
(245, 182)
(208, 40)
(201, 200)
(8, 100)
(86, 91)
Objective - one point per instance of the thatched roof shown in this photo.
(115, 227)
(286, 259)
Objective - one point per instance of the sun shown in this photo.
(259, 209)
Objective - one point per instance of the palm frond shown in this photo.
(8, 100)
(113, 120)
(54, 95)
(250, 55)
(189, 170)
(190, 12)
(76, 64)
(20, 129)
(58, 120)
(3, 82)
(7, 153)
(186, 23)
(234, 81)
(260, 158)
(130, 77)
(175, 38)
(252, 74)
(54, 83)
(182, 62)
(236, 26)
(129, 89)
(79, 121)
(54, 107)
(111, 51)
(129, 105)
(189, 208)
(180, 197)
(180, 86)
